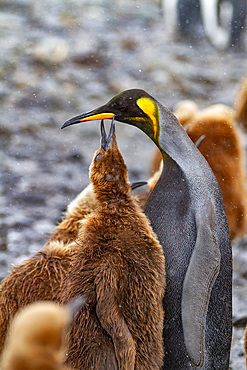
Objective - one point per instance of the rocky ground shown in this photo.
(61, 58)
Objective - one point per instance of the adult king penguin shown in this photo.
(187, 214)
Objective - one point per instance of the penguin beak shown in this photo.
(93, 115)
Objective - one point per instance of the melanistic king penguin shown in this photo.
(187, 214)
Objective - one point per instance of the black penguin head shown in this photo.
(135, 107)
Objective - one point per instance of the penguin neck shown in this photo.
(175, 145)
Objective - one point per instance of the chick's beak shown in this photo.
(107, 142)
(93, 115)
(103, 136)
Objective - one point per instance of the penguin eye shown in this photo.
(122, 108)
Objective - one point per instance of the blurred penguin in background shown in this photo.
(221, 21)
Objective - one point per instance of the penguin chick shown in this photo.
(240, 104)
(223, 149)
(120, 269)
(38, 278)
(36, 338)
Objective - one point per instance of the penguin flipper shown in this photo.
(201, 274)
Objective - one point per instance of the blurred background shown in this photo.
(61, 58)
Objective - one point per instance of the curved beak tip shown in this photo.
(64, 125)
(69, 122)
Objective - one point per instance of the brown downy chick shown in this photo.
(120, 269)
(223, 149)
(38, 278)
(37, 338)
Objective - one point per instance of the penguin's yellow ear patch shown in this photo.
(147, 106)
(150, 108)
